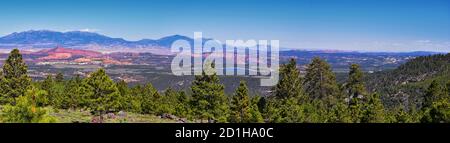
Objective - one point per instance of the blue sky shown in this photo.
(362, 25)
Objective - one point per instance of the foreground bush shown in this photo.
(25, 110)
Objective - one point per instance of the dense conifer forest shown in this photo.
(416, 92)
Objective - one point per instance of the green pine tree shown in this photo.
(355, 85)
(125, 96)
(286, 103)
(56, 92)
(101, 92)
(137, 101)
(14, 81)
(339, 113)
(436, 106)
(182, 108)
(356, 110)
(208, 99)
(320, 82)
(373, 110)
(434, 93)
(27, 110)
(290, 83)
(75, 97)
(169, 102)
(355, 90)
(150, 99)
(255, 113)
(47, 85)
(240, 105)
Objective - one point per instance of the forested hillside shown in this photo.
(314, 97)
(407, 85)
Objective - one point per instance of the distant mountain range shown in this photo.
(50, 39)
(94, 41)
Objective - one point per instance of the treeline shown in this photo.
(313, 98)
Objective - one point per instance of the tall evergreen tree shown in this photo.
(14, 81)
(320, 81)
(150, 99)
(137, 101)
(74, 94)
(123, 88)
(373, 110)
(240, 105)
(56, 92)
(286, 104)
(272, 112)
(125, 95)
(436, 106)
(355, 85)
(356, 110)
(169, 102)
(434, 92)
(355, 90)
(291, 111)
(102, 92)
(290, 83)
(47, 85)
(208, 99)
(255, 113)
(182, 108)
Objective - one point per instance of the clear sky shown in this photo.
(363, 25)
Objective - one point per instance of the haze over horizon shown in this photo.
(366, 25)
(205, 38)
